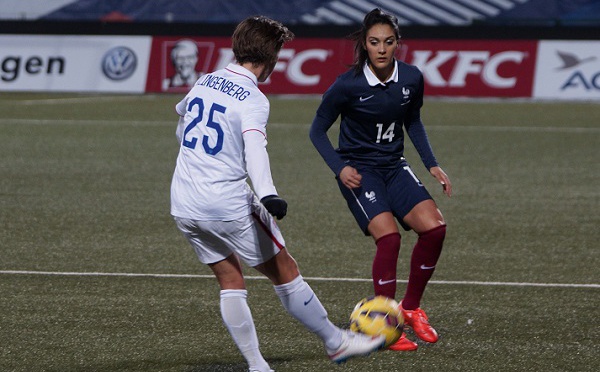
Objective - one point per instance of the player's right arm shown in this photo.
(258, 166)
(327, 114)
(180, 109)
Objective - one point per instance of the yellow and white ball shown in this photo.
(378, 315)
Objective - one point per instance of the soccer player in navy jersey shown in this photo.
(376, 99)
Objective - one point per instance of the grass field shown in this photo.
(94, 275)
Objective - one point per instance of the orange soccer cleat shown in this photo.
(403, 344)
(418, 321)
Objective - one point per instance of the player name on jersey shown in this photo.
(225, 86)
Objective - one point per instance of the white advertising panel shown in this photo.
(74, 63)
(568, 70)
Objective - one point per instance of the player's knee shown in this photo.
(288, 264)
(436, 233)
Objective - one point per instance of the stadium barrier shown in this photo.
(452, 67)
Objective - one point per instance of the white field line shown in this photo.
(322, 279)
(173, 122)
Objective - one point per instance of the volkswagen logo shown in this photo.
(119, 63)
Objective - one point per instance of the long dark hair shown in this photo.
(374, 17)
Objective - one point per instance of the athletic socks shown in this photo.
(384, 265)
(425, 256)
(238, 320)
(301, 302)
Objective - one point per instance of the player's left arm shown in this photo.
(418, 136)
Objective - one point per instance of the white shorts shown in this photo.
(255, 238)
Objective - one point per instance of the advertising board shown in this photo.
(568, 70)
(473, 68)
(558, 70)
(305, 66)
(74, 63)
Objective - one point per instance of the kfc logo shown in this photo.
(188, 60)
(478, 63)
(290, 64)
(475, 68)
(305, 66)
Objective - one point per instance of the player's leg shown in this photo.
(213, 251)
(427, 221)
(297, 297)
(236, 313)
(384, 230)
(300, 301)
(228, 273)
(415, 209)
(370, 208)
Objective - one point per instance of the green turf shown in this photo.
(84, 187)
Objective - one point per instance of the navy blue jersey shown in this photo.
(372, 119)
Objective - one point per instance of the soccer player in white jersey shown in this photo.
(222, 136)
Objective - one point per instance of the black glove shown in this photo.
(275, 205)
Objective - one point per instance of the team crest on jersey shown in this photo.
(405, 96)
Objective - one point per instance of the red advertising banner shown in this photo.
(306, 66)
(470, 68)
(474, 68)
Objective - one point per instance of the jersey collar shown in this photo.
(374, 81)
(240, 70)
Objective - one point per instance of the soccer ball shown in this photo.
(376, 316)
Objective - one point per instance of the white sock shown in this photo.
(301, 302)
(238, 320)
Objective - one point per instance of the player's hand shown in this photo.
(350, 177)
(275, 205)
(443, 179)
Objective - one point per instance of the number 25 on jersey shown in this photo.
(210, 123)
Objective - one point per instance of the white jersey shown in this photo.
(222, 135)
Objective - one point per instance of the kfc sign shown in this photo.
(470, 68)
(305, 66)
(291, 63)
(474, 68)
